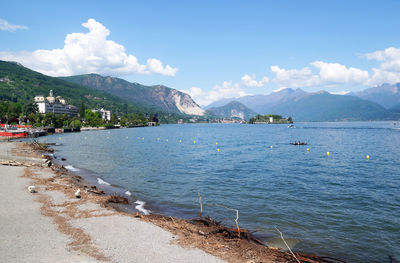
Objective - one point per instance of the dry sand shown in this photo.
(53, 226)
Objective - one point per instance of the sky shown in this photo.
(210, 49)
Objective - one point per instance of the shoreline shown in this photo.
(202, 233)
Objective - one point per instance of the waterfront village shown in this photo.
(52, 114)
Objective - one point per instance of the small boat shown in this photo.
(291, 126)
(298, 143)
(13, 131)
(14, 134)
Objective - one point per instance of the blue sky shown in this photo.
(211, 49)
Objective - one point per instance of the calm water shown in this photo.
(343, 205)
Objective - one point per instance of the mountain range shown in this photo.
(158, 97)
(385, 95)
(20, 84)
(323, 106)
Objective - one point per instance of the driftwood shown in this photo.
(284, 241)
(217, 228)
(97, 192)
(117, 199)
(16, 163)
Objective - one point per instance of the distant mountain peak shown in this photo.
(233, 109)
(386, 95)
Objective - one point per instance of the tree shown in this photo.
(82, 110)
(93, 118)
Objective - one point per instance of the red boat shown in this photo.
(14, 134)
(14, 131)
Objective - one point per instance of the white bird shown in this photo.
(78, 193)
(32, 189)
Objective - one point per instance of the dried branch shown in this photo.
(287, 244)
(237, 217)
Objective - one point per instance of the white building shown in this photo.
(105, 114)
(56, 105)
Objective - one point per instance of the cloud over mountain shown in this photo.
(89, 52)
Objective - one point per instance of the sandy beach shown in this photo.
(54, 226)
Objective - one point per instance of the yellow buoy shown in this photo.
(328, 153)
(194, 141)
(180, 141)
(42, 156)
(166, 140)
(367, 157)
(218, 150)
(270, 147)
(308, 149)
(216, 143)
(142, 138)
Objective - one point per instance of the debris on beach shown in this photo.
(32, 189)
(116, 199)
(78, 193)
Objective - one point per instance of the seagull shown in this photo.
(32, 189)
(78, 193)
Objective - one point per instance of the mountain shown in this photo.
(319, 106)
(233, 109)
(395, 108)
(20, 84)
(264, 103)
(385, 95)
(324, 106)
(157, 97)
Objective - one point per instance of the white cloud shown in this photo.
(4, 25)
(156, 66)
(226, 90)
(251, 82)
(389, 69)
(279, 89)
(197, 94)
(295, 78)
(390, 58)
(334, 73)
(89, 52)
(326, 75)
(342, 92)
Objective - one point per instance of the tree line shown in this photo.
(15, 113)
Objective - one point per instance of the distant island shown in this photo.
(270, 119)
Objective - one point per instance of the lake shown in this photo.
(342, 205)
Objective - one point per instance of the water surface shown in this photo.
(343, 205)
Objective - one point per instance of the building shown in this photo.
(105, 114)
(56, 105)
